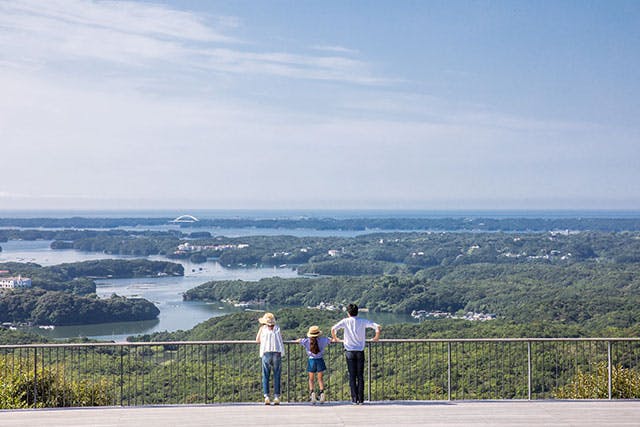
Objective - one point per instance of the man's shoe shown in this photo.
(267, 401)
(322, 397)
(312, 399)
(276, 400)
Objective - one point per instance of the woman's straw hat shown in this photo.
(268, 319)
(314, 331)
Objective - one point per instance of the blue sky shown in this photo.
(323, 104)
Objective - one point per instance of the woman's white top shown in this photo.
(271, 340)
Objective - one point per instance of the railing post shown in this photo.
(121, 375)
(448, 370)
(609, 369)
(35, 377)
(369, 372)
(206, 375)
(288, 371)
(529, 370)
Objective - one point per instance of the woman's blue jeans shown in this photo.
(271, 360)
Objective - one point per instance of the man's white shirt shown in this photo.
(355, 330)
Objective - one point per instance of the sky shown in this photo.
(327, 104)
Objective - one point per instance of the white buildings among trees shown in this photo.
(14, 282)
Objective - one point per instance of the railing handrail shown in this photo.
(387, 340)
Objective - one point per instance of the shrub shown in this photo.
(45, 387)
(625, 384)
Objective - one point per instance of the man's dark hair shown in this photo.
(352, 309)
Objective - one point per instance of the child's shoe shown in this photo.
(313, 398)
(267, 401)
(322, 397)
(276, 400)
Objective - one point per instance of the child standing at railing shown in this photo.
(315, 344)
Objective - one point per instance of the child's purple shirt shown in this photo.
(323, 342)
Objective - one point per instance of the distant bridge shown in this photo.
(186, 218)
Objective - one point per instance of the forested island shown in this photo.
(590, 295)
(42, 307)
(64, 294)
(378, 253)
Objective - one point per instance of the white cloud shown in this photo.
(126, 17)
(64, 32)
(336, 49)
(333, 68)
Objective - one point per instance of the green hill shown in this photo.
(294, 323)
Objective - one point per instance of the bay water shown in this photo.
(164, 292)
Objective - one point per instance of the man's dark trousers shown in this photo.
(355, 365)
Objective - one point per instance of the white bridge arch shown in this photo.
(186, 218)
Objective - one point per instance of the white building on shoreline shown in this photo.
(14, 282)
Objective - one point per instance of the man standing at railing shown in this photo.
(354, 340)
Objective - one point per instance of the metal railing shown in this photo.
(130, 374)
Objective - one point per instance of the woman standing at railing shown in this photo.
(271, 352)
(314, 344)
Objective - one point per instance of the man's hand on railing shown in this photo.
(377, 336)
